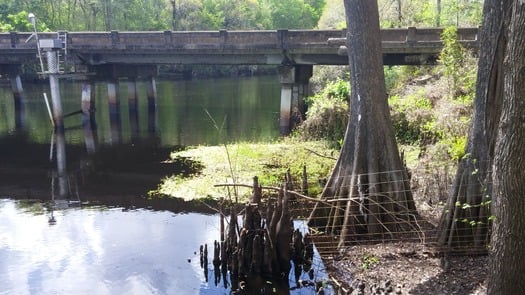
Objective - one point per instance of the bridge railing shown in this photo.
(413, 34)
(225, 39)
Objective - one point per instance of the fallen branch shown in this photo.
(275, 188)
(320, 155)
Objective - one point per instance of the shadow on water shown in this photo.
(118, 175)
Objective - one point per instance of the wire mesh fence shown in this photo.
(388, 207)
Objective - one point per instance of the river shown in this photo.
(109, 238)
(247, 109)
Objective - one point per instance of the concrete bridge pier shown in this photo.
(13, 72)
(114, 110)
(111, 73)
(294, 88)
(89, 124)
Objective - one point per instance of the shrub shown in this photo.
(413, 118)
(327, 114)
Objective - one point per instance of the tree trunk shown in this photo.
(508, 240)
(438, 13)
(464, 225)
(368, 188)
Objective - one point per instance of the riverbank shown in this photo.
(239, 163)
(409, 267)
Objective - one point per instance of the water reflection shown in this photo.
(248, 110)
(104, 250)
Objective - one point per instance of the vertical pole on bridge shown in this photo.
(58, 118)
(114, 110)
(18, 96)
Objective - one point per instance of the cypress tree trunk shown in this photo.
(508, 240)
(368, 188)
(465, 222)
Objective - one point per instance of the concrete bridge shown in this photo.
(114, 55)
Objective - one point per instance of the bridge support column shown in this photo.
(114, 110)
(152, 106)
(294, 88)
(133, 108)
(13, 72)
(88, 116)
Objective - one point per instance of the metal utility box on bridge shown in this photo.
(51, 44)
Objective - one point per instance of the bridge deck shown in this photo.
(311, 47)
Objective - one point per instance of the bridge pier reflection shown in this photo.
(294, 88)
(89, 124)
(152, 106)
(114, 111)
(133, 109)
(13, 72)
(18, 95)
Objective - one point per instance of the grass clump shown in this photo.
(238, 163)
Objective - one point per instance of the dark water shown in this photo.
(108, 237)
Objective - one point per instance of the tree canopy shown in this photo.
(97, 15)
(100, 15)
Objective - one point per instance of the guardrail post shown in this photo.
(411, 34)
(14, 39)
(168, 38)
(115, 39)
(282, 36)
(223, 36)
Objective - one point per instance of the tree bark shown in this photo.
(368, 186)
(464, 225)
(508, 240)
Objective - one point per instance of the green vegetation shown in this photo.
(368, 261)
(327, 113)
(431, 107)
(269, 162)
(157, 15)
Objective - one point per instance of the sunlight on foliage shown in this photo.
(268, 161)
